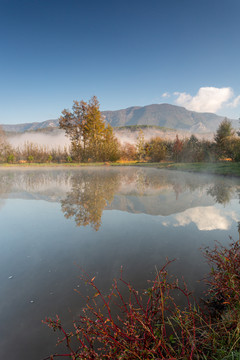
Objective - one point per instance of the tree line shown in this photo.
(94, 141)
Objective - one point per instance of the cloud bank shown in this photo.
(208, 99)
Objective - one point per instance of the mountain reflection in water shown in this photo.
(84, 194)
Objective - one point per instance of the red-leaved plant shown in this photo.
(151, 325)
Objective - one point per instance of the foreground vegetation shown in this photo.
(151, 324)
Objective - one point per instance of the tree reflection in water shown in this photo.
(89, 195)
(221, 192)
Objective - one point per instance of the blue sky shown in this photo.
(127, 53)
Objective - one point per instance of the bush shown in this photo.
(30, 158)
(152, 326)
(156, 149)
(11, 158)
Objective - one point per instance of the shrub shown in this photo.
(30, 158)
(69, 159)
(152, 325)
(156, 149)
(10, 158)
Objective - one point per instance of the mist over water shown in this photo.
(54, 221)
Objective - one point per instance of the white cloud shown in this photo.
(166, 95)
(235, 102)
(207, 99)
(205, 218)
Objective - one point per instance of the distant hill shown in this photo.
(34, 126)
(163, 115)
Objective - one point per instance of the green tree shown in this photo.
(30, 158)
(233, 148)
(86, 129)
(73, 123)
(110, 147)
(157, 149)
(11, 158)
(224, 133)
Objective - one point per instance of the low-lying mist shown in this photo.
(51, 141)
(128, 136)
(58, 139)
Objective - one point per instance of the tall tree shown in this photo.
(5, 147)
(86, 129)
(177, 149)
(140, 145)
(74, 125)
(224, 132)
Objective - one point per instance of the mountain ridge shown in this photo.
(164, 115)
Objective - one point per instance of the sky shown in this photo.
(127, 53)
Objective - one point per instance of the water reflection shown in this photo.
(221, 192)
(142, 217)
(90, 193)
(85, 193)
(206, 218)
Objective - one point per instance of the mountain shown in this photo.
(34, 126)
(164, 115)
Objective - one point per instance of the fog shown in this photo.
(51, 141)
(128, 136)
(58, 139)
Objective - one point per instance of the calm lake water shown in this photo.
(54, 221)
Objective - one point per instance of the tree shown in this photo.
(86, 129)
(224, 133)
(5, 147)
(140, 145)
(110, 147)
(157, 149)
(177, 149)
(74, 125)
(128, 152)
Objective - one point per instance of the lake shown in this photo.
(55, 222)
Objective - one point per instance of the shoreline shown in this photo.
(223, 168)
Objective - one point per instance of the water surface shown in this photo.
(54, 221)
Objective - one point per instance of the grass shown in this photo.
(47, 164)
(220, 168)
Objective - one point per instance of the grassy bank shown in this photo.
(220, 168)
(151, 325)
